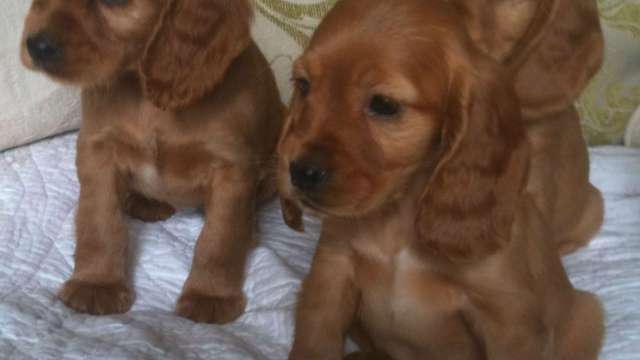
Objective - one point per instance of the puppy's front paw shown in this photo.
(208, 309)
(96, 299)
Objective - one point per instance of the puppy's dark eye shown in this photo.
(115, 2)
(382, 106)
(303, 85)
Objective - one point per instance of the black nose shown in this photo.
(43, 49)
(307, 177)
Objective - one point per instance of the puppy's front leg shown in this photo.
(327, 303)
(213, 290)
(513, 331)
(99, 283)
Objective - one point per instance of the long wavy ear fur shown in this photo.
(553, 47)
(505, 29)
(468, 205)
(194, 43)
(568, 53)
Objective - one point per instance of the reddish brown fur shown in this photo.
(180, 109)
(552, 48)
(432, 246)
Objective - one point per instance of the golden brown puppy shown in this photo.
(180, 109)
(408, 142)
(552, 48)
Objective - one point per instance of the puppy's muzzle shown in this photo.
(306, 176)
(44, 50)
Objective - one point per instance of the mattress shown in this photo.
(38, 191)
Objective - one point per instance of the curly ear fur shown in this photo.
(568, 53)
(191, 49)
(552, 47)
(504, 28)
(468, 205)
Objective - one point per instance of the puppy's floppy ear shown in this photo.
(193, 45)
(553, 47)
(505, 28)
(468, 205)
(569, 51)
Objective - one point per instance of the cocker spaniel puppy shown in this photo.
(407, 140)
(180, 109)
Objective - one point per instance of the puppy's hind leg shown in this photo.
(581, 335)
(588, 224)
(139, 207)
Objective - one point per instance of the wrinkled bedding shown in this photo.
(38, 191)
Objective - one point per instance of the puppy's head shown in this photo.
(393, 96)
(180, 48)
(365, 111)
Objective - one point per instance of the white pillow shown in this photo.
(31, 106)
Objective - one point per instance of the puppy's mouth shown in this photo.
(312, 207)
(329, 201)
(316, 208)
(309, 205)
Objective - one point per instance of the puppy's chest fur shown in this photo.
(160, 171)
(161, 165)
(165, 156)
(407, 306)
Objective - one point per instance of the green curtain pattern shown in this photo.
(284, 27)
(290, 16)
(608, 103)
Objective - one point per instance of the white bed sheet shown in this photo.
(38, 190)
